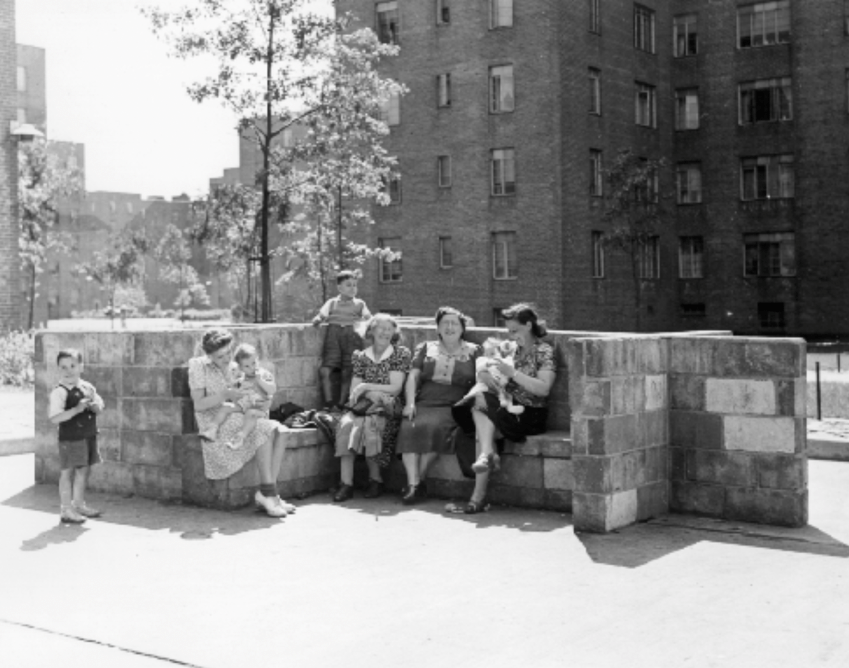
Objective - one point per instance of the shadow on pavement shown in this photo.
(641, 544)
(61, 533)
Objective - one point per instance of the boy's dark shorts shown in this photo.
(339, 346)
(73, 454)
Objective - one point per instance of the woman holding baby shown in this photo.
(529, 381)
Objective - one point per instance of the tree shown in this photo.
(45, 184)
(121, 264)
(633, 205)
(174, 252)
(275, 70)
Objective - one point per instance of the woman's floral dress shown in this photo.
(219, 460)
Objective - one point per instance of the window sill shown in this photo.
(689, 203)
(506, 195)
(503, 280)
(400, 280)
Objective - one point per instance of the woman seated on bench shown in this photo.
(211, 382)
(530, 380)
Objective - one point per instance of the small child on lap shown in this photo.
(259, 387)
(340, 314)
(74, 405)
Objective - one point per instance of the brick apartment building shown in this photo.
(515, 109)
(10, 312)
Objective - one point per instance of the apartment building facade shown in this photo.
(10, 305)
(516, 110)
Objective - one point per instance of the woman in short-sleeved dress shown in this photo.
(443, 372)
(381, 368)
(211, 383)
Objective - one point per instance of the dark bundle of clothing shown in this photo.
(325, 421)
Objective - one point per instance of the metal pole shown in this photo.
(819, 402)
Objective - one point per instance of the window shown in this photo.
(443, 12)
(501, 98)
(286, 138)
(390, 109)
(766, 100)
(646, 100)
(770, 254)
(646, 183)
(846, 17)
(687, 109)
(685, 35)
(500, 13)
(395, 190)
(847, 88)
(498, 318)
(643, 29)
(446, 257)
(21, 115)
(648, 258)
(504, 255)
(387, 22)
(595, 91)
(443, 90)
(692, 310)
(596, 174)
(22, 79)
(443, 171)
(595, 17)
(389, 265)
(763, 24)
(503, 172)
(689, 178)
(767, 177)
(598, 254)
(771, 315)
(691, 257)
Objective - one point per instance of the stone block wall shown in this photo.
(737, 429)
(619, 400)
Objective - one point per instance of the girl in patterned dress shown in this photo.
(381, 370)
(530, 383)
(210, 382)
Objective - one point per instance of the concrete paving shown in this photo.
(376, 584)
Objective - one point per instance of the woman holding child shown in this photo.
(379, 373)
(530, 381)
(219, 414)
(443, 371)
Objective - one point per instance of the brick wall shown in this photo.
(10, 316)
(737, 429)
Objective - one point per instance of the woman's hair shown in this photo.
(243, 352)
(442, 311)
(525, 313)
(215, 339)
(383, 317)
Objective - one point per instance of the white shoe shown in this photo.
(271, 504)
(288, 507)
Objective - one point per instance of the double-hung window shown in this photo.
(390, 268)
(597, 240)
(685, 35)
(500, 13)
(596, 174)
(646, 105)
(387, 22)
(446, 255)
(770, 254)
(766, 100)
(501, 92)
(767, 177)
(691, 257)
(443, 12)
(390, 109)
(504, 255)
(687, 109)
(595, 17)
(594, 77)
(443, 171)
(648, 258)
(503, 172)
(689, 176)
(443, 90)
(643, 29)
(763, 24)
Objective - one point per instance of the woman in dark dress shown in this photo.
(443, 371)
(530, 382)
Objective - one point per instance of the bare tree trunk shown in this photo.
(264, 260)
(339, 233)
(32, 296)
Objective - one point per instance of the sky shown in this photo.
(112, 86)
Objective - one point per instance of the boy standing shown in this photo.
(340, 314)
(74, 405)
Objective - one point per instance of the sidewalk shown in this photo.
(377, 584)
(17, 423)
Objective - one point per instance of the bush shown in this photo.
(208, 314)
(17, 350)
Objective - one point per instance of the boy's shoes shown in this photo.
(70, 516)
(87, 511)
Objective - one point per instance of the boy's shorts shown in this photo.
(339, 346)
(73, 454)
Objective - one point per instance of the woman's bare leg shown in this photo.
(347, 469)
(425, 463)
(411, 465)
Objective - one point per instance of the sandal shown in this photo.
(474, 507)
(483, 463)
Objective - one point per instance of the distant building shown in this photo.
(10, 307)
(31, 85)
(517, 108)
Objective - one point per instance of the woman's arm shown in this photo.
(203, 402)
(539, 386)
(396, 382)
(410, 391)
(266, 383)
